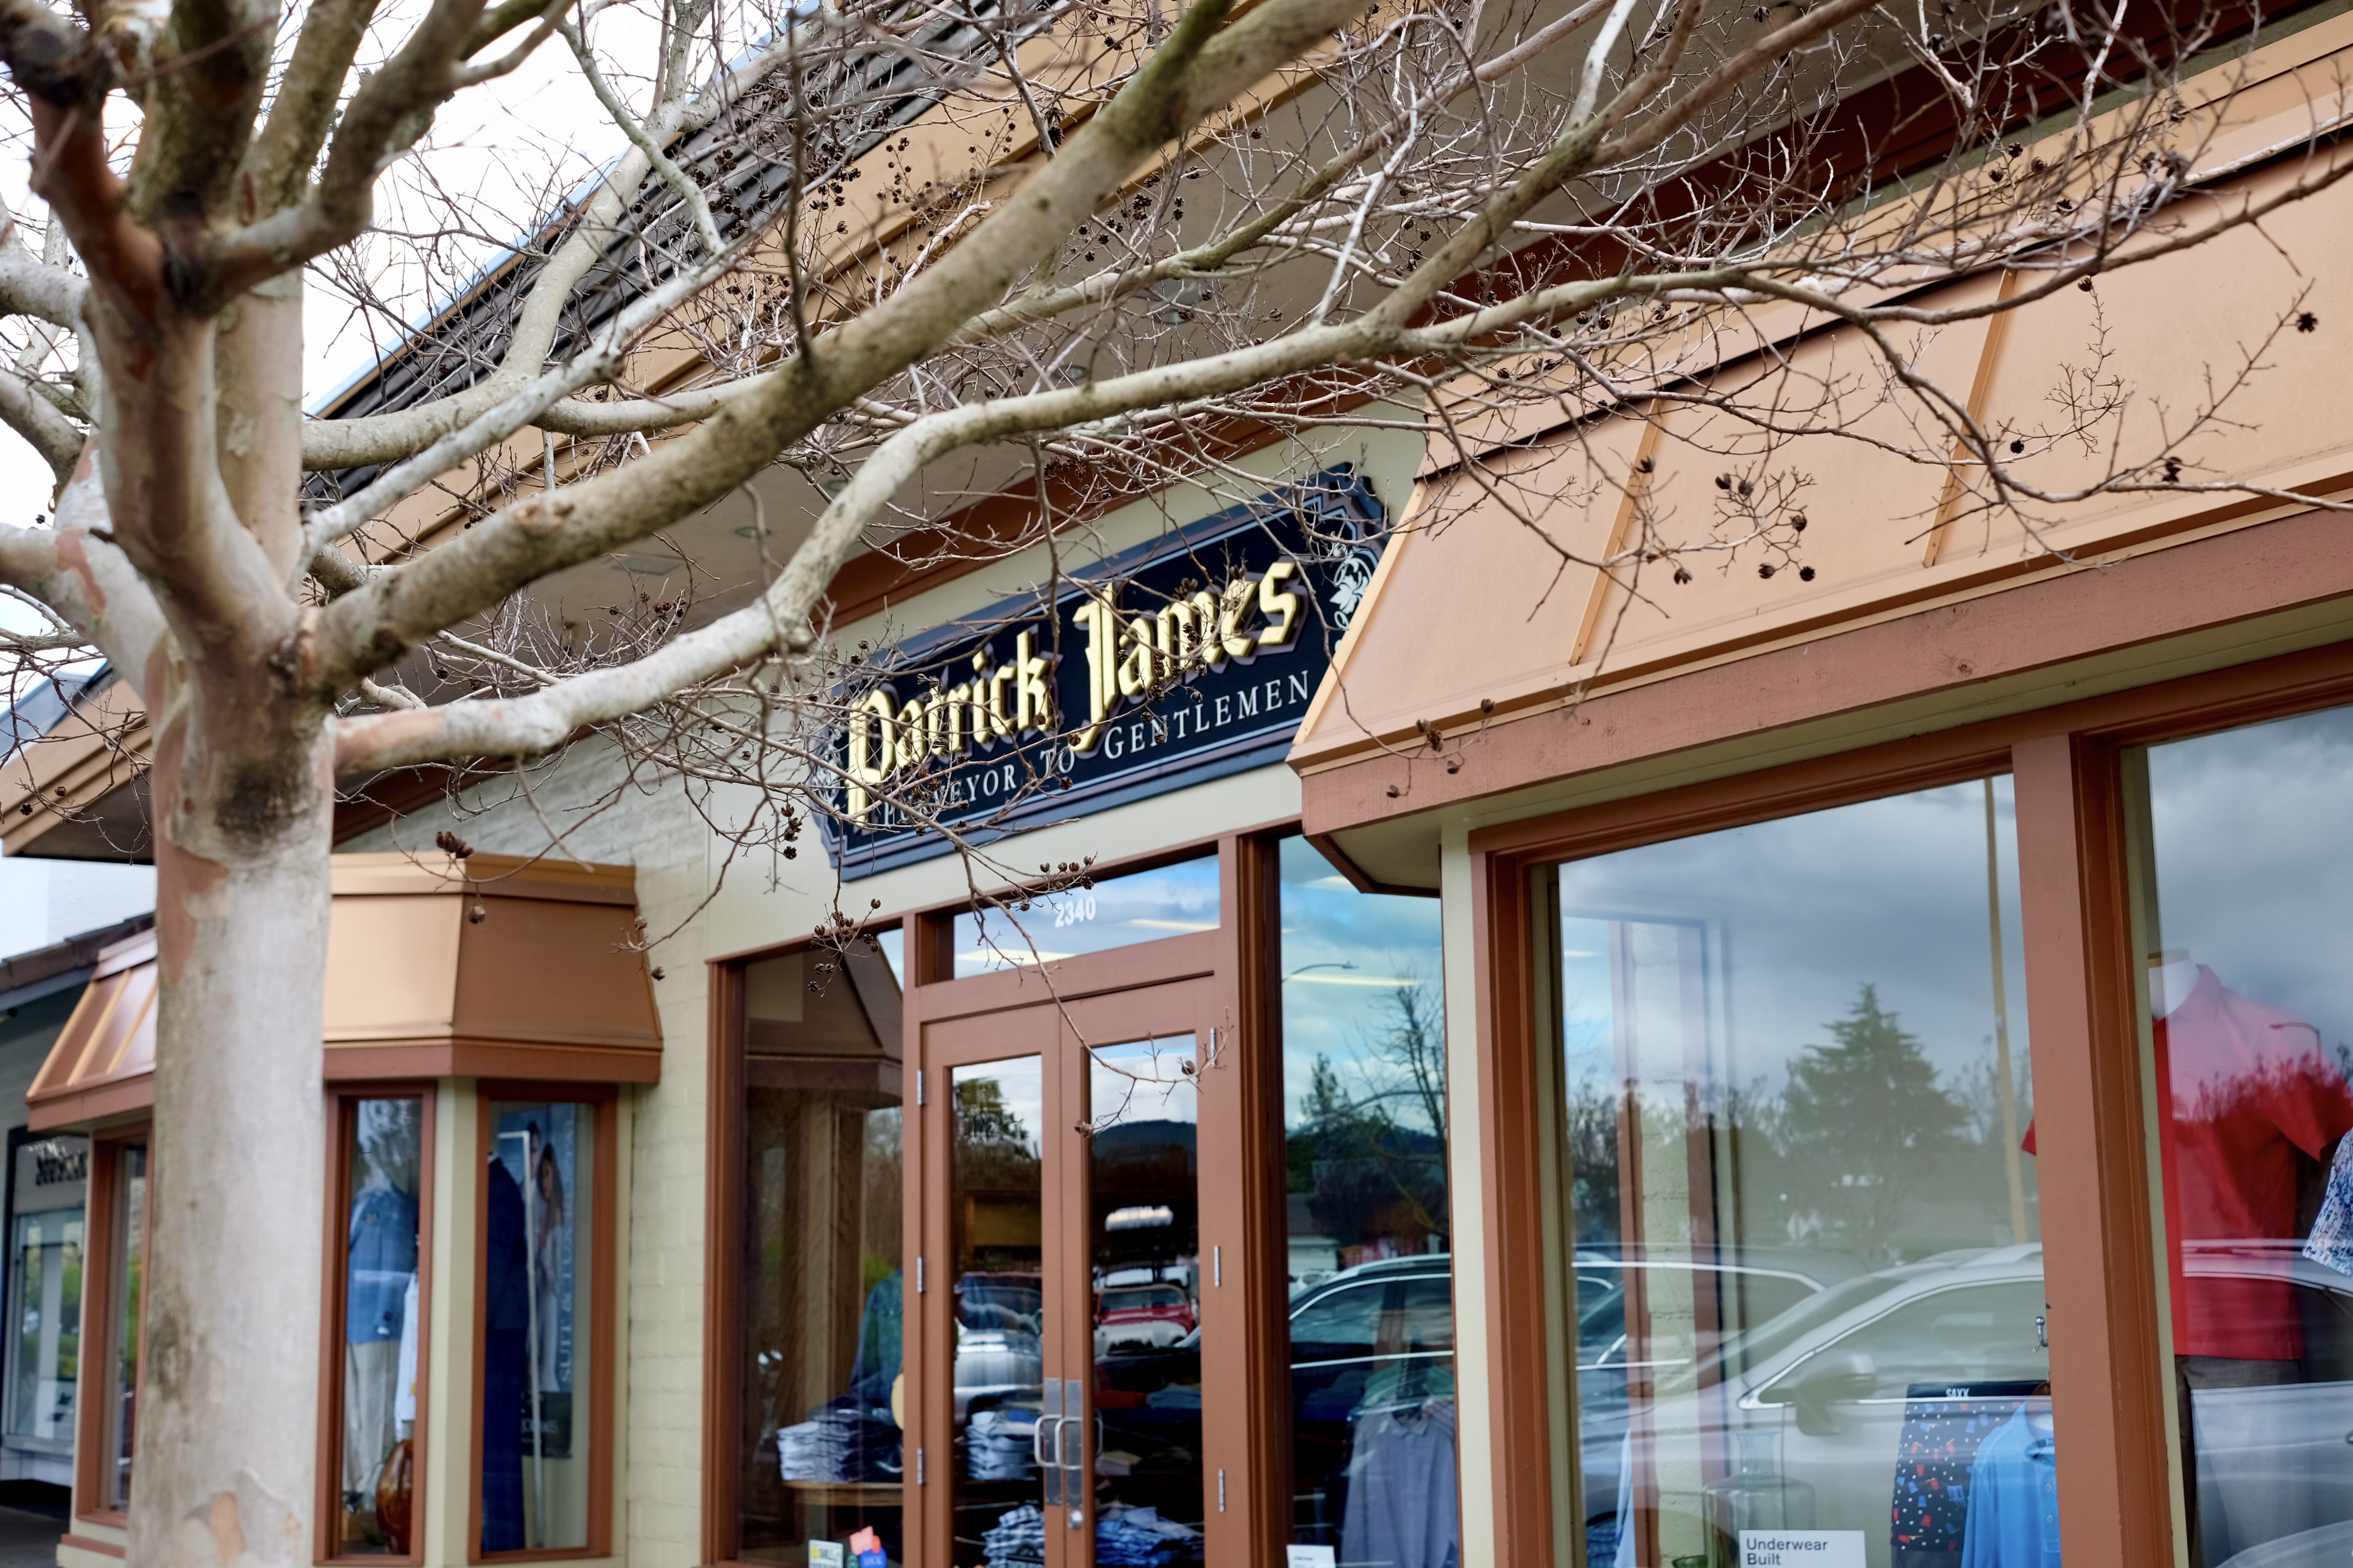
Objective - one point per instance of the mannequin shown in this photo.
(2246, 1092)
(2171, 975)
(381, 1257)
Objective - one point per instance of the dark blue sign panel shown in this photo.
(1178, 661)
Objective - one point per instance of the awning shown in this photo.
(103, 1064)
(490, 967)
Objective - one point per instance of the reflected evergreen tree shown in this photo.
(1864, 1127)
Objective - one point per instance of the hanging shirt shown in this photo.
(2331, 1241)
(1402, 1509)
(1944, 1427)
(2250, 1087)
(2013, 1518)
(383, 1260)
(403, 1399)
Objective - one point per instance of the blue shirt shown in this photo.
(2013, 1520)
(383, 1260)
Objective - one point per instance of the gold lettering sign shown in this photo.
(1130, 658)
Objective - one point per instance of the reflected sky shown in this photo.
(1346, 956)
(1800, 914)
(1143, 1081)
(2253, 830)
(1117, 912)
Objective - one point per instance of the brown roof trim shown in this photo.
(2071, 614)
(511, 967)
(48, 969)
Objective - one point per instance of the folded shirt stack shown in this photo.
(1129, 1537)
(1019, 1539)
(839, 1442)
(809, 1452)
(997, 1444)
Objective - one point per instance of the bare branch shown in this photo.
(57, 438)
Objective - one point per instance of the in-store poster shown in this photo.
(1801, 1549)
(538, 1144)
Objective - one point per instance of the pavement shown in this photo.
(28, 1539)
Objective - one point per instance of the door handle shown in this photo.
(1038, 1438)
(1045, 1449)
(1068, 1460)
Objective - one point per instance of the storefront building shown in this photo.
(1900, 1055)
(47, 1184)
(483, 1020)
(1508, 1066)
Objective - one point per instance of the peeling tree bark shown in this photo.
(227, 1422)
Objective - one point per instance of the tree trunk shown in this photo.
(258, 362)
(227, 1421)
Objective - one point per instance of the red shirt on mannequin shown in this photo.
(2251, 1085)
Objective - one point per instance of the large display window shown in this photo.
(2242, 925)
(1367, 1227)
(818, 1284)
(543, 1335)
(1800, 1216)
(49, 1187)
(373, 1371)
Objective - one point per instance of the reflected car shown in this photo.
(1732, 1288)
(1141, 1317)
(1357, 1332)
(2275, 1463)
(1361, 1338)
(998, 1348)
(1815, 1401)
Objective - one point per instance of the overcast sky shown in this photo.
(2255, 861)
(495, 152)
(1798, 915)
(1345, 955)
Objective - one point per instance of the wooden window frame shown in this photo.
(603, 1272)
(343, 1129)
(2116, 1480)
(1240, 954)
(99, 1298)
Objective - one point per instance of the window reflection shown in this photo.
(2242, 915)
(1804, 1223)
(997, 1240)
(52, 1176)
(378, 1463)
(824, 1298)
(1117, 912)
(128, 1274)
(1144, 1240)
(536, 1369)
(1372, 1337)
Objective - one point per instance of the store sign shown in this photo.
(51, 1174)
(1190, 657)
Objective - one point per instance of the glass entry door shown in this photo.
(1063, 1204)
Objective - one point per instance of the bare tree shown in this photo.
(1171, 236)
